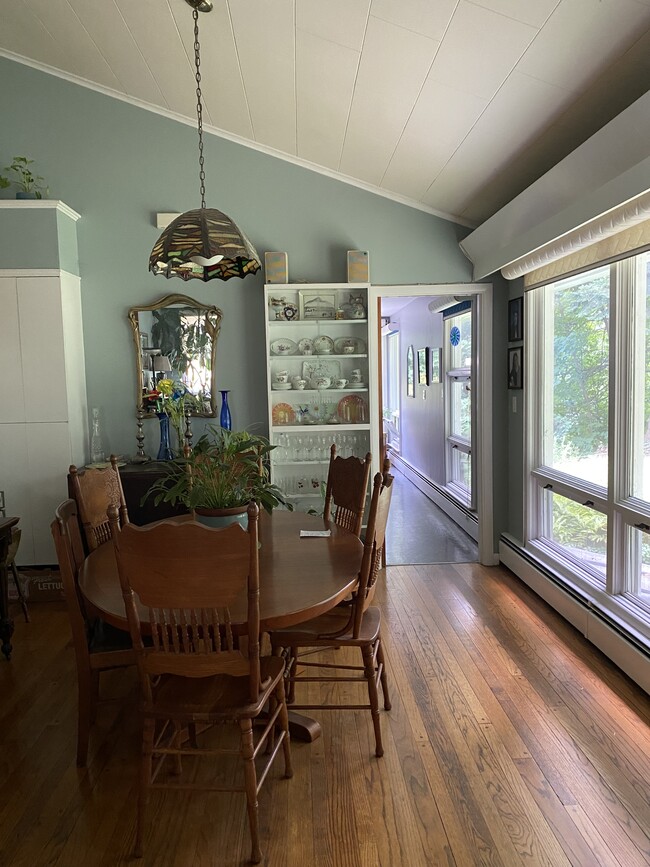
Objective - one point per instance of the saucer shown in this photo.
(355, 386)
(281, 386)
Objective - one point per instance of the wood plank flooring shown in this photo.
(511, 741)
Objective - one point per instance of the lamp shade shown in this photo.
(203, 244)
(161, 363)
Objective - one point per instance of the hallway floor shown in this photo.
(421, 533)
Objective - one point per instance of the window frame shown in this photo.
(619, 598)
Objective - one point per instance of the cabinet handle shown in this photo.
(588, 503)
(548, 487)
(645, 527)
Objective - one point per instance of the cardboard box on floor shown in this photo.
(39, 584)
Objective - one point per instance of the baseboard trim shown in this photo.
(462, 516)
(603, 632)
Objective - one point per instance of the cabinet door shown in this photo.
(42, 348)
(14, 481)
(48, 452)
(12, 408)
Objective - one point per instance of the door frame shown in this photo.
(482, 363)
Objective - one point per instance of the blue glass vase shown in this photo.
(225, 419)
(165, 451)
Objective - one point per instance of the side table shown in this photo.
(6, 621)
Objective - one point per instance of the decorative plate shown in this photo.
(283, 413)
(352, 409)
(358, 345)
(290, 312)
(454, 336)
(323, 345)
(306, 345)
(321, 367)
(283, 346)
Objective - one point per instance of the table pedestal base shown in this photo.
(303, 728)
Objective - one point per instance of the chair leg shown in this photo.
(284, 722)
(250, 775)
(19, 590)
(84, 716)
(381, 659)
(291, 695)
(148, 732)
(178, 743)
(94, 695)
(370, 673)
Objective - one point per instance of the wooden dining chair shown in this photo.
(97, 646)
(95, 490)
(189, 577)
(345, 494)
(357, 626)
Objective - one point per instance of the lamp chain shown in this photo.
(199, 104)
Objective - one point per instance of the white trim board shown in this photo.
(221, 133)
(40, 204)
(595, 629)
(467, 522)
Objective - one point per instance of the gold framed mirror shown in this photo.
(176, 338)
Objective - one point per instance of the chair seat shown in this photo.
(215, 698)
(307, 634)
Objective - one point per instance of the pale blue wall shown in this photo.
(117, 165)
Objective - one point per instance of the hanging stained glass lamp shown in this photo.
(203, 244)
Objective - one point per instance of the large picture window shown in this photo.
(588, 502)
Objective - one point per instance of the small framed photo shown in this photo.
(434, 356)
(423, 366)
(516, 319)
(316, 305)
(410, 372)
(516, 367)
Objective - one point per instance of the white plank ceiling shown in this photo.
(429, 101)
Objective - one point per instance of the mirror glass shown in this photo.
(176, 338)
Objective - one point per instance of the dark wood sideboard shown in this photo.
(136, 481)
(6, 622)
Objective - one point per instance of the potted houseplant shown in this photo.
(220, 476)
(30, 186)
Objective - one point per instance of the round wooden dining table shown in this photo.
(300, 578)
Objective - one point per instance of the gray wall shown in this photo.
(422, 421)
(117, 165)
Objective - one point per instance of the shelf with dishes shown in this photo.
(318, 381)
(321, 345)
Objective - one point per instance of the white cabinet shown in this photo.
(317, 380)
(43, 416)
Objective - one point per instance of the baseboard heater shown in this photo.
(605, 632)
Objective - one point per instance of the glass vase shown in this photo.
(225, 419)
(97, 447)
(165, 451)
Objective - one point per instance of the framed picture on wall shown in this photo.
(434, 355)
(423, 366)
(516, 319)
(410, 372)
(516, 367)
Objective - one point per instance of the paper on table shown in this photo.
(305, 534)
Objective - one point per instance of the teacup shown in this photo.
(299, 383)
(282, 377)
(355, 376)
(348, 349)
(306, 351)
(340, 383)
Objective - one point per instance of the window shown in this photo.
(458, 402)
(588, 351)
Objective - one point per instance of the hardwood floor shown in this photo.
(511, 741)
